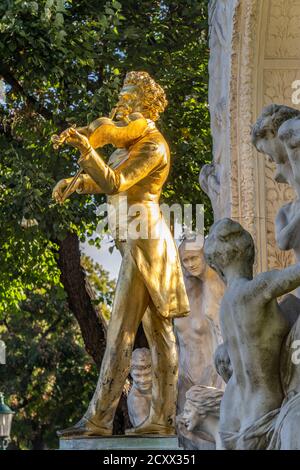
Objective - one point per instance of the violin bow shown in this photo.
(73, 181)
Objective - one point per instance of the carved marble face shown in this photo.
(193, 261)
(191, 417)
(223, 363)
(288, 134)
(271, 146)
(142, 378)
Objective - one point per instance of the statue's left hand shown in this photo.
(72, 137)
(60, 188)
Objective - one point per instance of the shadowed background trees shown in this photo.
(63, 62)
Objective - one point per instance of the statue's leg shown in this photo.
(130, 302)
(160, 335)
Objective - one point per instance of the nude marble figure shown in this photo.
(276, 134)
(253, 329)
(198, 335)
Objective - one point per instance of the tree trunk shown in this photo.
(80, 304)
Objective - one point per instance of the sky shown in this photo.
(110, 262)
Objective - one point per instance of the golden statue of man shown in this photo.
(150, 286)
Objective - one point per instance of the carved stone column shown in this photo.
(255, 58)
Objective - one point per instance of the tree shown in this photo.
(46, 362)
(63, 62)
(102, 288)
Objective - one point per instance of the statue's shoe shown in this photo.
(84, 428)
(147, 428)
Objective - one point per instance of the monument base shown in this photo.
(120, 443)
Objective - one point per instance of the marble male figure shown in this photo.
(139, 397)
(253, 329)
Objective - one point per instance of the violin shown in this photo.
(103, 131)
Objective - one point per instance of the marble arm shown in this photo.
(142, 159)
(286, 234)
(209, 180)
(214, 183)
(276, 283)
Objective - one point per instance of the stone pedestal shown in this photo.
(120, 443)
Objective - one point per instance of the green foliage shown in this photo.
(46, 362)
(70, 59)
(63, 62)
(103, 287)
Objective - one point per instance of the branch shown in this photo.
(30, 100)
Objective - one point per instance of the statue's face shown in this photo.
(193, 261)
(129, 101)
(142, 378)
(272, 146)
(223, 363)
(288, 134)
(191, 417)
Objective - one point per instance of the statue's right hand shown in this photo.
(61, 186)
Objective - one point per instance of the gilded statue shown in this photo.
(150, 287)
